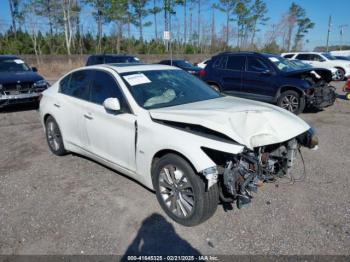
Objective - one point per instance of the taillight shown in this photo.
(202, 73)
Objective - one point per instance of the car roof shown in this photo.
(3, 57)
(174, 60)
(128, 67)
(111, 55)
(306, 52)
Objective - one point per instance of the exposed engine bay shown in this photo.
(240, 175)
(320, 94)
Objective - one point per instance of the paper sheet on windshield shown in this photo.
(18, 61)
(137, 79)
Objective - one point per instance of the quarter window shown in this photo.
(220, 63)
(64, 84)
(236, 63)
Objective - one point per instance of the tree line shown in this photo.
(57, 27)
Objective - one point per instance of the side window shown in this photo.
(220, 62)
(316, 58)
(256, 65)
(64, 84)
(104, 86)
(303, 57)
(288, 56)
(236, 62)
(79, 85)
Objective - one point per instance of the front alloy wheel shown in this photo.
(176, 191)
(182, 193)
(291, 101)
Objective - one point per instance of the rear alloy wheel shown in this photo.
(54, 137)
(347, 96)
(182, 193)
(339, 75)
(291, 101)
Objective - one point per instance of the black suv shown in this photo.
(270, 78)
(18, 82)
(111, 59)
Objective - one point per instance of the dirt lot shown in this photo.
(71, 205)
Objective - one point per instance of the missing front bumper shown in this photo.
(322, 97)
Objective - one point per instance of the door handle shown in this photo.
(88, 116)
(57, 105)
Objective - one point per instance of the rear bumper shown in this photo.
(322, 97)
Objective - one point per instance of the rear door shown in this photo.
(111, 135)
(259, 80)
(229, 69)
(69, 104)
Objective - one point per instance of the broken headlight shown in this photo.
(41, 83)
(308, 139)
(211, 174)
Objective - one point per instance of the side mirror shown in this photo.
(34, 69)
(112, 104)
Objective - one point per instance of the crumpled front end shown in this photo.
(321, 96)
(16, 93)
(240, 175)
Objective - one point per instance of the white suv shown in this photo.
(173, 133)
(322, 60)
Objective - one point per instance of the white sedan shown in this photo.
(322, 60)
(173, 133)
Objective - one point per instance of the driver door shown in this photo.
(111, 135)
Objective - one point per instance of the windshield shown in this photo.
(300, 64)
(329, 56)
(165, 88)
(184, 64)
(16, 65)
(283, 64)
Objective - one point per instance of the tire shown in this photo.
(54, 137)
(340, 75)
(291, 101)
(198, 205)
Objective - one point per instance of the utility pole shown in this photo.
(329, 30)
(342, 27)
(166, 25)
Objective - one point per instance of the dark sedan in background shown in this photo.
(111, 59)
(184, 65)
(19, 83)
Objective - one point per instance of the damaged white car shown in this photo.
(173, 133)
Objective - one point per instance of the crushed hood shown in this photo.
(325, 74)
(249, 123)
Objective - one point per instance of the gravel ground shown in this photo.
(72, 205)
